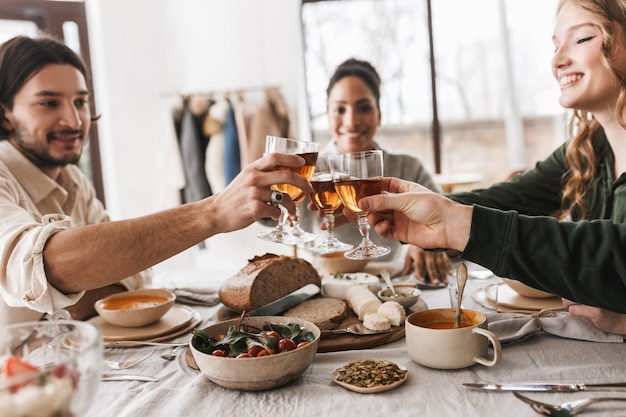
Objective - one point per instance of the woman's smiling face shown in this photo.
(585, 81)
(353, 115)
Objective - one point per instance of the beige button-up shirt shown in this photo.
(32, 208)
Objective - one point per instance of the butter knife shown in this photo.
(285, 303)
(546, 387)
(128, 377)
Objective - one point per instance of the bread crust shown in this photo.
(325, 313)
(265, 279)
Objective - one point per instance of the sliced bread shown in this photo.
(326, 313)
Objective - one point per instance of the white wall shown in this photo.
(156, 47)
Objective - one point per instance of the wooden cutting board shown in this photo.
(347, 341)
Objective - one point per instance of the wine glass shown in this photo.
(282, 233)
(357, 175)
(325, 198)
(50, 368)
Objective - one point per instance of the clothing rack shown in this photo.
(220, 92)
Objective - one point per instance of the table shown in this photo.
(182, 391)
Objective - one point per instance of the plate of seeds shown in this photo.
(369, 376)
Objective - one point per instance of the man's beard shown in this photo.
(39, 153)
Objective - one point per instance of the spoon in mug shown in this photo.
(461, 278)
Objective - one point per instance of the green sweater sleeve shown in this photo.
(581, 261)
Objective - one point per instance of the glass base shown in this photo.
(286, 238)
(330, 246)
(368, 252)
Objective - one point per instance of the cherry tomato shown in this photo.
(303, 344)
(264, 352)
(244, 355)
(218, 352)
(275, 334)
(286, 344)
(254, 350)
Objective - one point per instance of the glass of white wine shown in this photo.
(283, 233)
(325, 198)
(357, 175)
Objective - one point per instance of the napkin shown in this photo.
(515, 327)
(196, 296)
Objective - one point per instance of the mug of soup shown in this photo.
(432, 340)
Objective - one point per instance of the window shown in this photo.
(495, 94)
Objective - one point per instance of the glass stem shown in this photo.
(330, 224)
(284, 216)
(364, 228)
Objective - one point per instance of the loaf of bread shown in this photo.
(265, 279)
(326, 313)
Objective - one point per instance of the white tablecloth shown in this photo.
(182, 391)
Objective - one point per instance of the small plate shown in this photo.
(178, 317)
(372, 390)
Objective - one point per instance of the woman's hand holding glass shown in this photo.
(357, 175)
(309, 151)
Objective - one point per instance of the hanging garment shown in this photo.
(232, 155)
(242, 123)
(193, 146)
(271, 118)
(215, 152)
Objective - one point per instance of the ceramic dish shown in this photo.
(371, 390)
(178, 317)
(135, 308)
(406, 297)
(261, 372)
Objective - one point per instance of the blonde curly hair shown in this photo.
(607, 15)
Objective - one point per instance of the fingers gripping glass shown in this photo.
(283, 233)
(325, 198)
(357, 175)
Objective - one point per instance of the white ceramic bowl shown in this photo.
(54, 367)
(332, 263)
(525, 290)
(135, 308)
(260, 373)
(405, 296)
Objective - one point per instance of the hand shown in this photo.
(604, 320)
(411, 213)
(432, 267)
(245, 199)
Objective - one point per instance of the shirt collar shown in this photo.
(34, 181)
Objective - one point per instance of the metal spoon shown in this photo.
(461, 278)
(172, 355)
(387, 279)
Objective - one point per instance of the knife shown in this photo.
(285, 303)
(540, 386)
(126, 377)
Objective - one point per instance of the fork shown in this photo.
(567, 409)
(127, 364)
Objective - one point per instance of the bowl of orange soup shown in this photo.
(135, 308)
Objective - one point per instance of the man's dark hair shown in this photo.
(23, 57)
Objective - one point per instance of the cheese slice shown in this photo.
(375, 321)
(393, 311)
